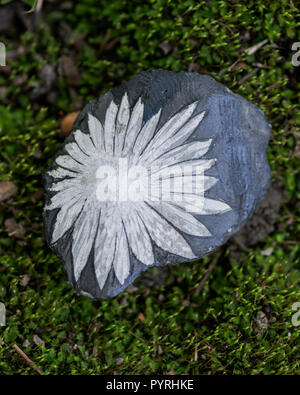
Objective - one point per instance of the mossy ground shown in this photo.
(165, 328)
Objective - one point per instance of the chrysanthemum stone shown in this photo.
(161, 170)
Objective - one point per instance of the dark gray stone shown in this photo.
(107, 232)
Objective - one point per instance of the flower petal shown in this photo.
(139, 240)
(145, 135)
(187, 184)
(63, 197)
(212, 206)
(83, 236)
(84, 142)
(69, 163)
(60, 172)
(185, 152)
(174, 132)
(193, 167)
(121, 259)
(65, 184)
(75, 152)
(181, 219)
(163, 234)
(110, 126)
(196, 204)
(104, 249)
(66, 217)
(121, 125)
(134, 126)
(97, 132)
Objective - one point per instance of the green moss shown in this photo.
(216, 332)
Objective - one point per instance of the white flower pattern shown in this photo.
(121, 228)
